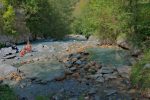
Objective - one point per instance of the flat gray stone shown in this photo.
(125, 75)
(100, 79)
(76, 56)
(95, 76)
(9, 56)
(109, 76)
(43, 71)
(78, 62)
(96, 97)
(6, 69)
(110, 92)
(92, 91)
(73, 68)
(106, 70)
(68, 64)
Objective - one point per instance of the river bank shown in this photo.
(69, 70)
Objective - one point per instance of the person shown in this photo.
(14, 47)
(28, 47)
(22, 52)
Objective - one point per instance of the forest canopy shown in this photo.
(107, 19)
(41, 17)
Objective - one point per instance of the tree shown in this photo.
(9, 20)
(49, 17)
(105, 18)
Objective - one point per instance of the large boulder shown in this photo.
(122, 42)
(106, 70)
(45, 71)
(6, 69)
(7, 53)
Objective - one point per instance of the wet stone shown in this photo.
(100, 79)
(78, 62)
(68, 72)
(125, 75)
(68, 64)
(73, 68)
(92, 91)
(106, 70)
(96, 97)
(22, 85)
(74, 59)
(78, 56)
(95, 76)
(110, 92)
(109, 76)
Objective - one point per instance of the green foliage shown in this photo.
(9, 19)
(49, 17)
(140, 76)
(105, 18)
(141, 37)
(55, 18)
(42, 98)
(6, 93)
(110, 18)
(43, 18)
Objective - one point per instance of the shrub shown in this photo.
(6, 93)
(140, 76)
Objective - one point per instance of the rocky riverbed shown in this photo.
(69, 70)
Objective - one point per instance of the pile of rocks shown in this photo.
(78, 66)
(15, 76)
(9, 72)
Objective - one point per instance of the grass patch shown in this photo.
(6, 93)
(140, 76)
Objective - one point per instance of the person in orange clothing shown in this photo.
(22, 52)
(28, 47)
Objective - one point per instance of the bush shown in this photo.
(105, 18)
(140, 76)
(6, 93)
